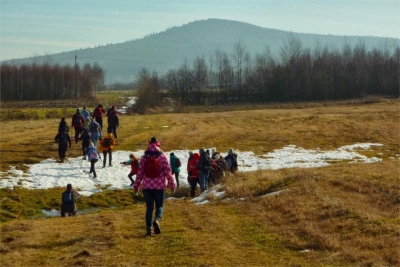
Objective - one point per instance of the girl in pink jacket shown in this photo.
(154, 175)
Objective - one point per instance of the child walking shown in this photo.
(106, 144)
(93, 157)
(133, 161)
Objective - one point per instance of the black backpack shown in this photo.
(77, 119)
(68, 197)
(112, 118)
(177, 162)
(62, 139)
(107, 142)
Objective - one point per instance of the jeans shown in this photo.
(95, 139)
(152, 196)
(203, 181)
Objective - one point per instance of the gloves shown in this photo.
(136, 192)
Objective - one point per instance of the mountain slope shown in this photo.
(168, 50)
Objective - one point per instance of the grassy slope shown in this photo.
(345, 214)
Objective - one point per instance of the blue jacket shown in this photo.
(93, 153)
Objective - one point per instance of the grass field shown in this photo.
(340, 215)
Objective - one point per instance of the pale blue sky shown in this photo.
(39, 27)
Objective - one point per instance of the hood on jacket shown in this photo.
(196, 156)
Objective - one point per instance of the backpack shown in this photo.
(106, 143)
(68, 197)
(177, 162)
(151, 167)
(112, 118)
(63, 127)
(77, 119)
(62, 139)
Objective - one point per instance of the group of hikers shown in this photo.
(88, 129)
(154, 171)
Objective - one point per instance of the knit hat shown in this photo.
(171, 154)
(155, 141)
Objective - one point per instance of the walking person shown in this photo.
(63, 126)
(106, 144)
(203, 167)
(85, 113)
(134, 162)
(231, 160)
(94, 129)
(93, 157)
(113, 121)
(64, 141)
(98, 114)
(154, 175)
(85, 138)
(68, 201)
(175, 163)
(193, 174)
(77, 123)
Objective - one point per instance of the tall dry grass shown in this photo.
(341, 215)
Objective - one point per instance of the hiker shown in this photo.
(68, 201)
(134, 162)
(193, 174)
(77, 123)
(212, 173)
(175, 163)
(219, 173)
(85, 113)
(106, 144)
(231, 160)
(153, 176)
(93, 157)
(86, 123)
(94, 129)
(203, 167)
(63, 126)
(85, 138)
(62, 138)
(98, 114)
(113, 121)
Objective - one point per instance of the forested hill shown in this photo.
(168, 50)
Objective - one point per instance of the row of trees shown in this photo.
(49, 82)
(300, 74)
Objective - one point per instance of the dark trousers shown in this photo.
(92, 170)
(61, 151)
(105, 157)
(113, 130)
(100, 121)
(78, 131)
(130, 175)
(176, 178)
(193, 184)
(84, 150)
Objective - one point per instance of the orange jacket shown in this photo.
(101, 142)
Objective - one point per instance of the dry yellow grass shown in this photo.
(342, 215)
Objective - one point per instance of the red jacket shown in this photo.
(133, 163)
(192, 166)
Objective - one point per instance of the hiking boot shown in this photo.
(131, 184)
(110, 165)
(156, 225)
(148, 232)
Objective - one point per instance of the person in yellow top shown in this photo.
(106, 144)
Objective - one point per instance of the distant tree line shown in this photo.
(300, 74)
(49, 82)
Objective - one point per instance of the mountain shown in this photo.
(168, 49)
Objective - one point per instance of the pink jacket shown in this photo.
(165, 178)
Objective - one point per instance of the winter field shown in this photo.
(317, 186)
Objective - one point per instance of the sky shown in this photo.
(42, 27)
